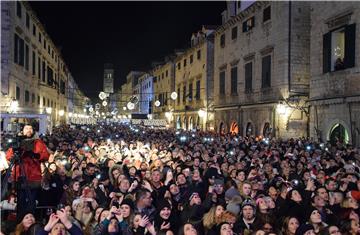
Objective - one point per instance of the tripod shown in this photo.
(25, 202)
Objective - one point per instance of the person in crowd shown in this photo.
(32, 153)
(113, 179)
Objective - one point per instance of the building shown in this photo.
(261, 69)
(108, 86)
(194, 83)
(131, 91)
(146, 95)
(34, 74)
(164, 84)
(335, 72)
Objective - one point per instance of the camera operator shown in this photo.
(31, 151)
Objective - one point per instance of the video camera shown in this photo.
(13, 142)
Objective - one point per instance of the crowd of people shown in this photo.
(130, 180)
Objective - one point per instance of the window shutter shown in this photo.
(349, 60)
(327, 52)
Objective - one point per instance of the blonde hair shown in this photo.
(210, 218)
(19, 229)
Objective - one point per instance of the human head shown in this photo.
(290, 224)
(28, 220)
(28, 131)
(58, 229)
(143, 198)
(188, 229)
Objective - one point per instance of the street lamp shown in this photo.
(14, 106)
(130, 106)
(104, 103)
(201, 113)
(48, 110)
(61, 112)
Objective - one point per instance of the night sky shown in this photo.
(130, 35)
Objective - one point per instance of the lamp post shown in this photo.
(173, 97)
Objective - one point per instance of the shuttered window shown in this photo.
(248, 77)
(234, 81)
(266, 71)
(222, 83)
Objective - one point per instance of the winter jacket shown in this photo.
(31, 161)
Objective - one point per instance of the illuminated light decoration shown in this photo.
(97, 106)
(97, 112)
(157, 103)
(14, 106)
(129, 116)
(48, 110)
(98, 131)
(91, 109)
(61, 113)
(124, 108)
(102, 114)
(70, 114)
(174, 95)
(130, 105)
(104, 103)
(102, 95)
(84, 110)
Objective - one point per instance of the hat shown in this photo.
(162, 204)
(231, 192)
(192, 195)
(302, 229)
(219, 181)
(248, 202)
(233, 208)
(129, 202)
(21, 215)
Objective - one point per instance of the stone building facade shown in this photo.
(261, 69)
(194, 82)
(164, 84)
(335, 72)
(146, 93)
(33, 70)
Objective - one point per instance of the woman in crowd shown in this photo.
(290, 224)
(27, 220)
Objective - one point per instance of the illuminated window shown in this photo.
(248, 24)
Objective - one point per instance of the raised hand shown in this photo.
(52, 221)
(165, 226)
(144, 221)
(63, 218)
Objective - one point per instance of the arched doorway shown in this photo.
(222, 128)
(267, 130)
(198, 123)
(338, 133)
(191, 123)
(178, 123)
(249, 129)
(234, 128)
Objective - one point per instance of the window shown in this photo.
(27, 96)
(267, 14)
(48, 102)
(38, 100)
(49, 49)
(62, 87)
(234, 33)
(222, 40)
(43, 71)
(44, 101)
(50, 76)
(166, 73)
(179, 66)
(197, 95)
(34, 29)
(33, 98)
(33, 63)
(178, 96)
(184, 62)
(266, 71)
(17, 93)
(27, 21)
(222, 83)
(162, 76)
(18, 50)
(27, 57)
(18, 9)
(190, 91)
(234, 81)
(198, 54)
(248, 24)
(184, 95)
(248, 77)
(191, 59)
(39, 67)
(44, 44)
(339, 49)
(39, 37)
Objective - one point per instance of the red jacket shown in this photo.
(31, 164)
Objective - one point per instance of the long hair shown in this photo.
(285, 225)
(19, 229)
(209, 219)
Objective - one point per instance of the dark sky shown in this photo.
(130, 35)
